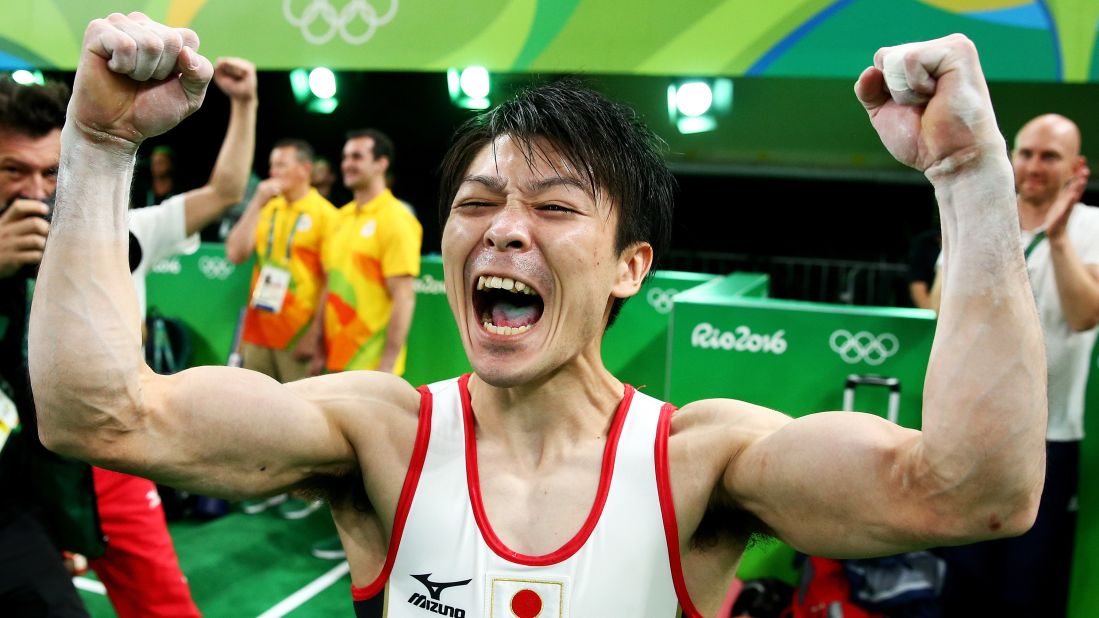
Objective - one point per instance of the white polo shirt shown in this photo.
(161, 232)
(1068, 353)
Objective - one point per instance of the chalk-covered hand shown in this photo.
(930, 104)
(136, 79)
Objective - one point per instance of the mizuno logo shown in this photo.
(435, 589)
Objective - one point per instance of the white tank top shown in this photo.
(444, 558)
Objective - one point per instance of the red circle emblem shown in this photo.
(526, 604)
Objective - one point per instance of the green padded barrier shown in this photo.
(1083, 601)
(727, 340)
(635, 348)
(206, 292)
(434, 349)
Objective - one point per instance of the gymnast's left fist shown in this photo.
(136, 79)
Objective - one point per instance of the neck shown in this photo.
(294, 194)
(365, 195)
(551, 413)
(1032, 214)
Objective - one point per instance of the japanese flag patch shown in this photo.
(513, 596)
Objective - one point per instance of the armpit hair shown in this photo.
(726, 521)
(339, 491)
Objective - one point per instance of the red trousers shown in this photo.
(139, 569)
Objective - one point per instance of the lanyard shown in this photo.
(1034, 242)
(289, 235)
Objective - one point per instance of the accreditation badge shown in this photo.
(515, 596)
(271, 289)
(9, 418)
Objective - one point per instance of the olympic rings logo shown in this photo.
(661, 299)
(169, 266)
(864, 346)
(215, 267)
(337, 21)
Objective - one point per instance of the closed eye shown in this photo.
(473, 204)
(556, 208)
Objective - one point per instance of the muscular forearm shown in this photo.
(230, 174)
(1077, 288)
(242, 238)
(404, 302)
(984, 395)
(85, 337)
(229, 178)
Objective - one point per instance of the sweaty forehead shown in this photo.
(527, 166)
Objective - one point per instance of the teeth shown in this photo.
(504, 283)
(504, 330)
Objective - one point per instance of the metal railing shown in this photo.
(847, 282)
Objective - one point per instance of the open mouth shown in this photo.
(506, 306)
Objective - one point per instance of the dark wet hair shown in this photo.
(605, 141)
(32, 110)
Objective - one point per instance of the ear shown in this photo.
(633, 266)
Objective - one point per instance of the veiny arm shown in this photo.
(848, 484)
(219, 430)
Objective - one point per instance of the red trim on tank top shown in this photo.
(473, 481)
(404, 503)
(667, 511)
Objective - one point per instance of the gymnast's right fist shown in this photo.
(136, 79)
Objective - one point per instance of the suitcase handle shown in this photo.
(893, 384)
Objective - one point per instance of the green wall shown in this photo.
(822, 38)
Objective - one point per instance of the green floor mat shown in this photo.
(245, 565)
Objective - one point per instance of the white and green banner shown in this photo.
(1044, 40)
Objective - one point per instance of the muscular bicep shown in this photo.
(840, 484)
(233, 432)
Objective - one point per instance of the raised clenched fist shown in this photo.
(136, 79)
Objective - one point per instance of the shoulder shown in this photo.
(729, 417)
(395, 210)
(357, 394)
(316, 202)
(1083, 229)
(706, 438)
(377, 412)
(1086, 216)
(378, 415)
